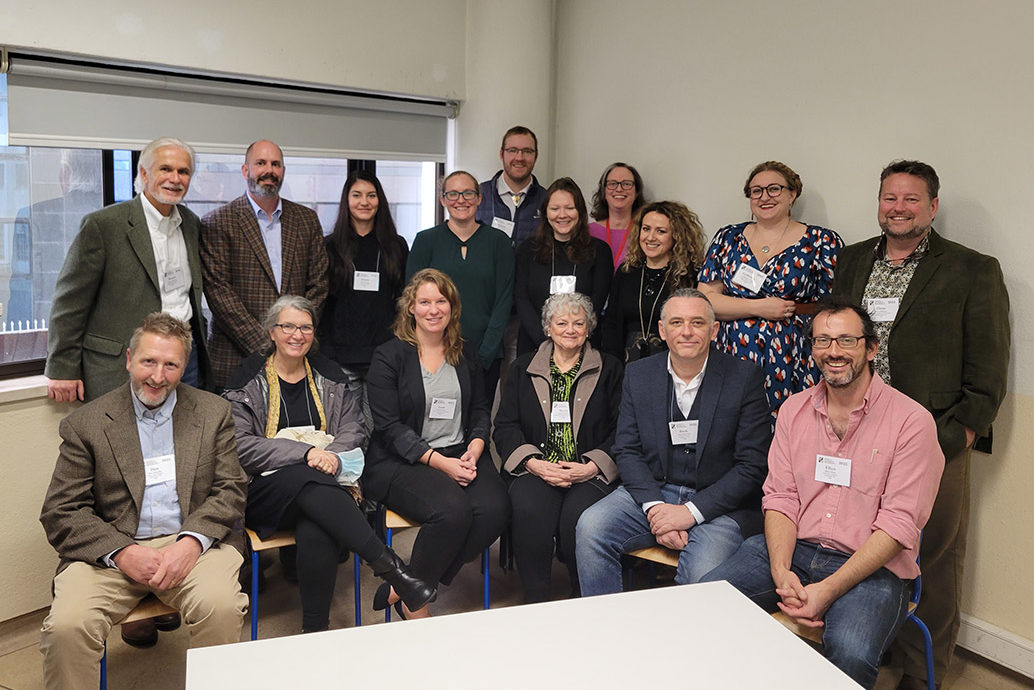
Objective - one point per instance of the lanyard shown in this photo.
(624, 238)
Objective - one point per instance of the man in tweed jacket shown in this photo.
(253, 250)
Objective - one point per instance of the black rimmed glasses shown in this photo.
(623, 184)
(290, 328)
(513, 151)
(467, 194)
(774, 190)
(822, 342)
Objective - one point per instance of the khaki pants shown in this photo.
(89, 600)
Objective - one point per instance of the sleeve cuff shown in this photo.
(650, 504)
(206, 542)
(697, 515)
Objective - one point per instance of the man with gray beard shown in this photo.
(255, 249)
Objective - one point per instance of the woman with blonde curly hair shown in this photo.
(665, 248)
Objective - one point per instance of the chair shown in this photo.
(657, 554)
(274, 542)
(149, 607)
(394, 521)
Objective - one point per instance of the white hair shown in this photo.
(147, 157)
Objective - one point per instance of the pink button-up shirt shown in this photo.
(896, 467)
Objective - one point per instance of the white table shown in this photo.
(694, 636)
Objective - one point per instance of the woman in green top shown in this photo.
(479, 259)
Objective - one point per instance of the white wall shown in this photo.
(695, 93)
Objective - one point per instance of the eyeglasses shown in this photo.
(624, 184)
(467, 194)
(822, 342)
(774, 190)
(513, 151)
(290, 328)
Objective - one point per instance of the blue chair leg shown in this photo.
(358, 597)
(387, 541)
(485, 560)
(104, 668)
(928, 643)
(254, 593)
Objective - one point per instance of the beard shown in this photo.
(843, 377)
(265, 186)
(149, 399)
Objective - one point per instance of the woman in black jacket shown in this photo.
(554, 430)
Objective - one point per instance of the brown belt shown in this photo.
(805, 308)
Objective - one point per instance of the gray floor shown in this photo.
(163, 667)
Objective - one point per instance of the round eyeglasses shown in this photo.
(774, 190)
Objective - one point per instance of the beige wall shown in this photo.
(695, 93)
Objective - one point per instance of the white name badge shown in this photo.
(833, 470)
(175, 278)
(443, 408)
(300, 429)
(561, 284)
(883, 308)
(683, 432)
(504, 225)
(367, 281)
(160, 468)
(748, 277)
(561, 412)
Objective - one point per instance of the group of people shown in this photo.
(651, 370)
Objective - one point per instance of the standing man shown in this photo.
(255, 249)
(942, 317)
(852, 475)
(512, 200)
(144, 497)
(128, 260)
(693, 433)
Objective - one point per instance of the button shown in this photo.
(829, 515)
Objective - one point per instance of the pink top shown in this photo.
(896, 467)
(615, 237)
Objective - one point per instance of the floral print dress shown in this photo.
(803, 272)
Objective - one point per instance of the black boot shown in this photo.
(414, 592)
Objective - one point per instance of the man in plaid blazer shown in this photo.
(253, 250)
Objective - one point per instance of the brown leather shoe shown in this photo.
(168, 622)
(141, 634)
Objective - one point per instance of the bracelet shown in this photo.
(429, 456)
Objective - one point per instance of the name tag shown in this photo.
(561, 284)
(561, 412)
(366, 281)
(160, 468)
(750, 278)
(683, 432)
(504, 225)
(833, 470)
(443, 408)
(883, 308)
(300, 429)
(175, 278)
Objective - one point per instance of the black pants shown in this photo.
(542, 512)
(327, 524)
(457, 523)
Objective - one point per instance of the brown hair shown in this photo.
(600, 210)
(404, 327)
(793, 180)
(519, 130)
(580, 249)
(687, 252)
(167, 326)
(918, 169)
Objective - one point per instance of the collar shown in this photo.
(142, 412)
(259, 212)
(155, 219)
(880, 249)
(872, 394)
(503, 189)
(694, 383)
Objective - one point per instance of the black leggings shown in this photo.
(542, 512)
(457, 523)
(327, 524)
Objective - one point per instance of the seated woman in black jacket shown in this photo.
(427, 459)
(286, 407)
(554, 431)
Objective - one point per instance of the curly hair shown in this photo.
(580, 249)
(404, 327)
(687, 252)
(600, 210)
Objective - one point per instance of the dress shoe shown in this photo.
(380, 597)
(141, 634)
(415, 592)
(399, 611)
(168, 622)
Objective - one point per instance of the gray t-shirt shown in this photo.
(439, 388)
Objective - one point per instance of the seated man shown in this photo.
(693, 432)
(853, 473)
(144, 495)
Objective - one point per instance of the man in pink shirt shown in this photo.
(853, 473)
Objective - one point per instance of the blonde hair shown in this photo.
(404, 327)
(687, 250)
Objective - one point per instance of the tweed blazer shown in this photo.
(949, 343)
(108, 284)
(239, 282)
(93, 504)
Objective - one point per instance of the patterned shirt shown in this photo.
(890, 281)
(560, 441)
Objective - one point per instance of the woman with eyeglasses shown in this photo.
(617, 200)
(479, 260)
(665, 248)
(562, 257)
(764, 277)
(299, 437)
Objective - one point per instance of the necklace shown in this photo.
(643, 322)
(765, 249)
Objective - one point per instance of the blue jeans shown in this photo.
(859, 626)
(617, 524)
